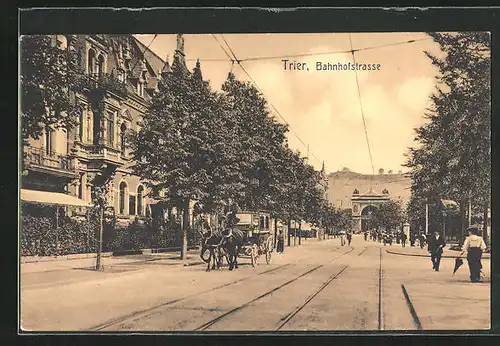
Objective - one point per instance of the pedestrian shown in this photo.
(422, 240)
(474, 245)
(342, 238)
(349, 238)
(412, 239)
(281, 242)
(366, 235)
(403, 239)
(435, 248)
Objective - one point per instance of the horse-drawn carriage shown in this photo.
(249, 237)
(257, 235)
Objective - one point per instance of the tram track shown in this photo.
(152, 310)
(147, 312)
(290, 315)
(208, 324)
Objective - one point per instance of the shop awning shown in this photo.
(54, 198)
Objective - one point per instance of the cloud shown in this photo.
(415, 92)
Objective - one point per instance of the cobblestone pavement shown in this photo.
(319, 285)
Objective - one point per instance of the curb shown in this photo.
(419, 255)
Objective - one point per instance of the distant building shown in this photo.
(363, 192)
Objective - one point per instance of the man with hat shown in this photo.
(435, 247)
(474, 245)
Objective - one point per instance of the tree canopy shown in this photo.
(48, 74)
(453, 156)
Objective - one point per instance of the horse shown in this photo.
(233, 239)
(212, 240)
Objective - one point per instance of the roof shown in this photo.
(54, 198)
(154, 60)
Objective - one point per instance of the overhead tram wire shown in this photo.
(261, 91)
(257, 58)
(361, 107)
(352, 51)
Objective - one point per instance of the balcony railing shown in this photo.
(103, 81)
(108, 154)
(39, 157)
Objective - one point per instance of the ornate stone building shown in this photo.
(363, 192)
(121, 77)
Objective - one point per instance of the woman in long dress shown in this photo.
(474, 245)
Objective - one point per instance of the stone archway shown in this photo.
(366, 217)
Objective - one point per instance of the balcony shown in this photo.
(38, 160)
(103, 82)
(106, 155)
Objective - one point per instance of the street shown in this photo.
(317, 286)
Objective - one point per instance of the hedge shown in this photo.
(38, 234)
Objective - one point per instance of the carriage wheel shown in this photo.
(254, 254)
(269, 250)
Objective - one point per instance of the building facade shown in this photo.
(362, 193)
(121, 77)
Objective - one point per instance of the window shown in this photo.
(82, 127)
(123, 186)
(100, 65)
(131, 205)
(267, 221)
(121, 75)
(140, 191)
(140, 88)
(80, 187)
(91, 62)
(89, 125)
(261, 222)
(148, 211)
(49, 141)
(111, 129)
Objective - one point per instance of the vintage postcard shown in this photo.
(334, 181)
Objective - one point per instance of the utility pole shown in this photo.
(98, 266)
(469, 213)
(426, 216)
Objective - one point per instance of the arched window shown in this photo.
(100, 65)
(91, 62)
(123, 187)
(123, 130)
(140, 192)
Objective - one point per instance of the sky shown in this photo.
(324, 108)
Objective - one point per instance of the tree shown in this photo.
(259, 145)
(48, 75)
(453, 160)
(388, 215)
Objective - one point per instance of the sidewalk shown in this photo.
(397, 249)
(107, 262)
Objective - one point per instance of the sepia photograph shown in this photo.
(255, 182)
